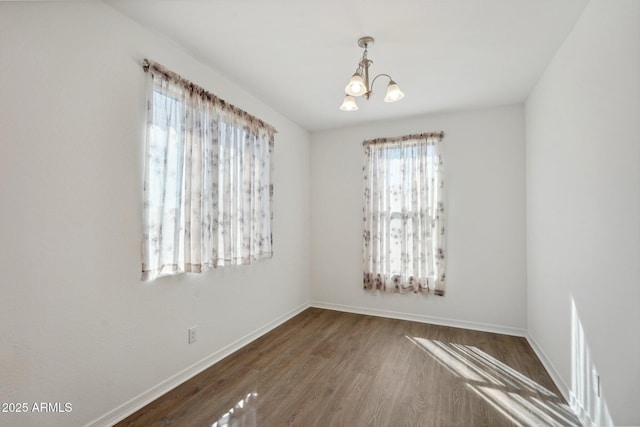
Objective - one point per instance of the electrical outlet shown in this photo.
(192, 335)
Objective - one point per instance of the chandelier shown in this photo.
(359, 83)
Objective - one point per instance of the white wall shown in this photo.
(76, 323)
(583, 208)
(484, 179)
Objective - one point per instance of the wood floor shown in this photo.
(328, 368)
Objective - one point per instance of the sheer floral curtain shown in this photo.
(404, 214)
(207, 185)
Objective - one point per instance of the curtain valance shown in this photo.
(160, 71)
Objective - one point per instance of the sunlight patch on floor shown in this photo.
(516, 396)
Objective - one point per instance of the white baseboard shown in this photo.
(576, 406)
(582, 415)
(484, 327)
(138, 402)
(553, 372)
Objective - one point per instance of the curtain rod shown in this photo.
(147, 66)
(439, 135)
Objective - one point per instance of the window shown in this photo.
(207, 189)
(404, 223)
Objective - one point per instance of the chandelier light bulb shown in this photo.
(393, 92)
(356, 86)
(349, 104)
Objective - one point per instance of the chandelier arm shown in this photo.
(374, 80)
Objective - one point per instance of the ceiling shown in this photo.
(298, 55)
